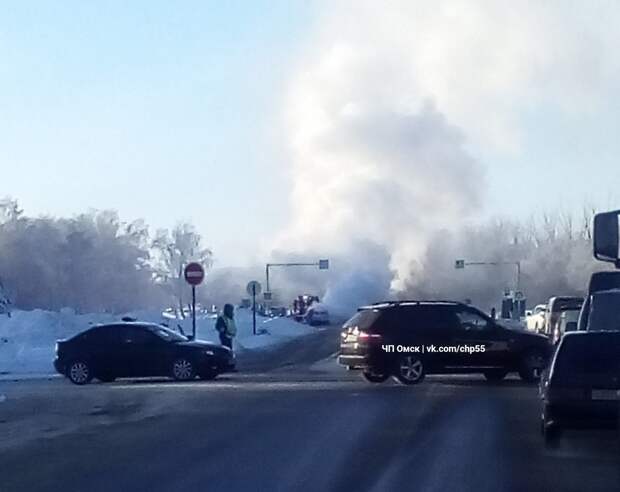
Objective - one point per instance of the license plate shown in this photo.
(605, 395)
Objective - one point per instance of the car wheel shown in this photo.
(106, 378)
(79, 372)
(531, 367)
(495, 375)
(208, 375)
(183, 369)
(410, 370)
(375, 377)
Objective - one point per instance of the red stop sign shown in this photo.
(194, 273)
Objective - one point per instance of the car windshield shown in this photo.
(168, 334)
(605, 312)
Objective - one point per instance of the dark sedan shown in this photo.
(107, 352)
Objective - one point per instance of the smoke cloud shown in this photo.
(386, 111)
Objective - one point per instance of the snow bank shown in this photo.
(27, 338)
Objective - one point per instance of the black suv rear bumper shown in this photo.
(354, 361)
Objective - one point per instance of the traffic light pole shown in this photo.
(498, 263)
(270, 265)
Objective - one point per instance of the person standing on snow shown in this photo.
(225, 325)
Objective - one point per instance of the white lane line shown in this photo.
(253, 386)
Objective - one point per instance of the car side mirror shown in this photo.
(607, 237)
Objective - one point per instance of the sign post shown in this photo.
(194, 275)
(254, 289)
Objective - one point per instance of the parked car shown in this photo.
(277, 311)
(317, 314)
(536, 319)
(568, 322)
(556, 306)
(582, 384)
(410, 339)
(107, 352)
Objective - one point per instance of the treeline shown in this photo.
(93, 262)
(555, 251)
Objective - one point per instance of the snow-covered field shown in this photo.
(27, 338)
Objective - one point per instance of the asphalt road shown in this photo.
(293, 421)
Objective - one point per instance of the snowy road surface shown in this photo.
(299, 424)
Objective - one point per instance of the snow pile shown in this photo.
(27, 338)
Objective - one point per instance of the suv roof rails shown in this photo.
(385, 304)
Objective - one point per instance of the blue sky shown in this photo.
(170, 111)
(127, 105)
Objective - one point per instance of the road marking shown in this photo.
(246, 386)
(2, 398)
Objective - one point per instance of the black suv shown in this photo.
(409, 339)
(107, 352)
(581, 387)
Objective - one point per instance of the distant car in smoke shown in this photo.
(317, 314)
(277, 312)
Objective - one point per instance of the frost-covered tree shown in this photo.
(92, 262)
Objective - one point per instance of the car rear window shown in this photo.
(604, 312)
(363, 319)
(98, 334)
(566, 304)
(586, 357)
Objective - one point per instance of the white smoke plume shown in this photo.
(391, 101)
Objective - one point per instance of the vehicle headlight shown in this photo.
(209, 352)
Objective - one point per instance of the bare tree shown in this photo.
(175, 249)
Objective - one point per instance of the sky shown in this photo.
(253, 119)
